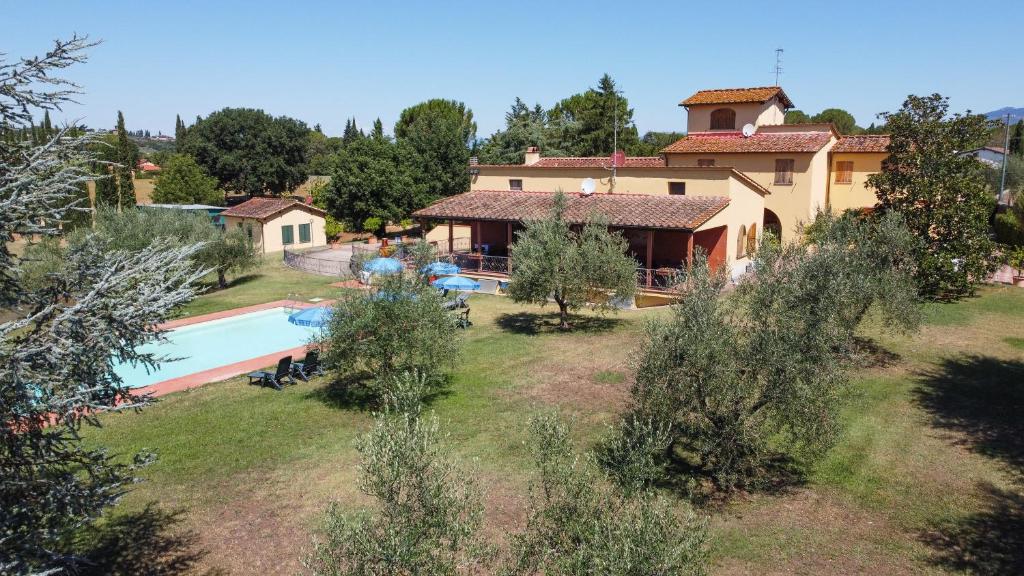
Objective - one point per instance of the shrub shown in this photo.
(1008, 229)
(333, 228)
(372, 224)
(372, 338)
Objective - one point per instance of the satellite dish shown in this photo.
(748, 130)
(588, 186)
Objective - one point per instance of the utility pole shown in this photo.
(778, 65)
(1006, 152)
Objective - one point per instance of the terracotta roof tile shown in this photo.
(760, 142)
(759, 95)
(598, 162)
(864, 143)
(622, 210)
(261, 207)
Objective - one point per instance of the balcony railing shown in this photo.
(657, 278)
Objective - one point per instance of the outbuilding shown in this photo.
(275, 224)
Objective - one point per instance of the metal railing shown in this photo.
(308, 262)
(481, 263)
(657, 278)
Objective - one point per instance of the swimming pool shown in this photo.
(218, 343)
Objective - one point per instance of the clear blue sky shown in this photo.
(322, 62)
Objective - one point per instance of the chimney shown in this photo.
(532, 155)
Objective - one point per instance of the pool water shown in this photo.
(218, 343)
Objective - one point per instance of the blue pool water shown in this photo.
(217, 343)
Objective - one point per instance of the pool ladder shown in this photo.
(292, 303)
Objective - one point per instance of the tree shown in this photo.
(378, 130)
(373, 178)
(584, 124)
(429, 514)
(127, 154)
(1017, 140)
(655, 141)
(249, 151)
(554, 261)
(731, 386)
(371, 338)
(229, 252)
(179, 134)
(524, 126)
(439, 134)
(841, 119)
(351, 133)
(578, 524)
(941, 194)
(182, 181)
(797, 117)
(322, 153)
(59, 342)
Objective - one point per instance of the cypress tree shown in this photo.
(179, 133)
(378, 129)
(47, 127)
(125, 165)
(1017, 140)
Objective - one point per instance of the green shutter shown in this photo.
(303, 233)
(287, 235)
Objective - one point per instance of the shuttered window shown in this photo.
(741, 242)
(844, 172)
(784, 171)
(706, 162)
(752, 238)
(723, 119)
(287, 234)
(304, 234)
(677, 188)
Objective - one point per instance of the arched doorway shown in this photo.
(772, 223)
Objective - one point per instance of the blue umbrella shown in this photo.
(313, 317)
(438, 268)
(456, 283)
(383, 266)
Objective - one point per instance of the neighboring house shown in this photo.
(991, 155)
(762, 173)
(278, 223)
(147, 166)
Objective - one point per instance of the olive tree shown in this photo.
(401, 327)
(579, 523)
(552, 260)
(62, 333)
(429, 511)
(731, 384)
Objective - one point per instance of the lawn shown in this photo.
(926, 477)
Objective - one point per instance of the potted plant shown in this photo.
(1015, 259)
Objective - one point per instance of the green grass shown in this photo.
(926, 440)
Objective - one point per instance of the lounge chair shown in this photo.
(310, 366)
(462, 319)
(460, 300)
(283, 375)
(449, 305)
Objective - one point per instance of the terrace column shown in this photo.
(508, 244)
(689, 250)
(479, 246)
(650, 255)
(451, 238)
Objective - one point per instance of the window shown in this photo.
(677, 188)
(516, 184)
(723, 119)
(304, 235)
(844, 172)
(248, 231)
(705, 162)
(752, 238)
(741, 242)
(784, 171)
(287, 234)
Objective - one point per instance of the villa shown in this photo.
(738, 171)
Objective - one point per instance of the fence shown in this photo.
(309, 262)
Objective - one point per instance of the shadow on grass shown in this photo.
(981, 400)
(868, 354)
(148, 542)
(780, 474)
(531, 323)
(358, 391)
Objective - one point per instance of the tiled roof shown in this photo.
(261, 207)
(598, 162)
(868, 143)
(622, 210)
(760, 94)
(709, 143)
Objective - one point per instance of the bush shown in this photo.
(1008, 229)
(579, 524)
(373, 338)
(333, 228)
(372, 224)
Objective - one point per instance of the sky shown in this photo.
(323, 62)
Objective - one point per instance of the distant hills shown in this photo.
(1015, 114)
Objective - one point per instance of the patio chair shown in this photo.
(310, 366)
(462, 320)
(283, 375)
(460, 300)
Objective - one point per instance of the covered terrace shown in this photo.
(662, 230)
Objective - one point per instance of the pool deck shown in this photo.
(231, 370)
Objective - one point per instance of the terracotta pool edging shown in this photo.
(230, 370)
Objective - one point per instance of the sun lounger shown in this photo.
(283, 375)
(310, 366)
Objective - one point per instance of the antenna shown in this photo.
(778, 65)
